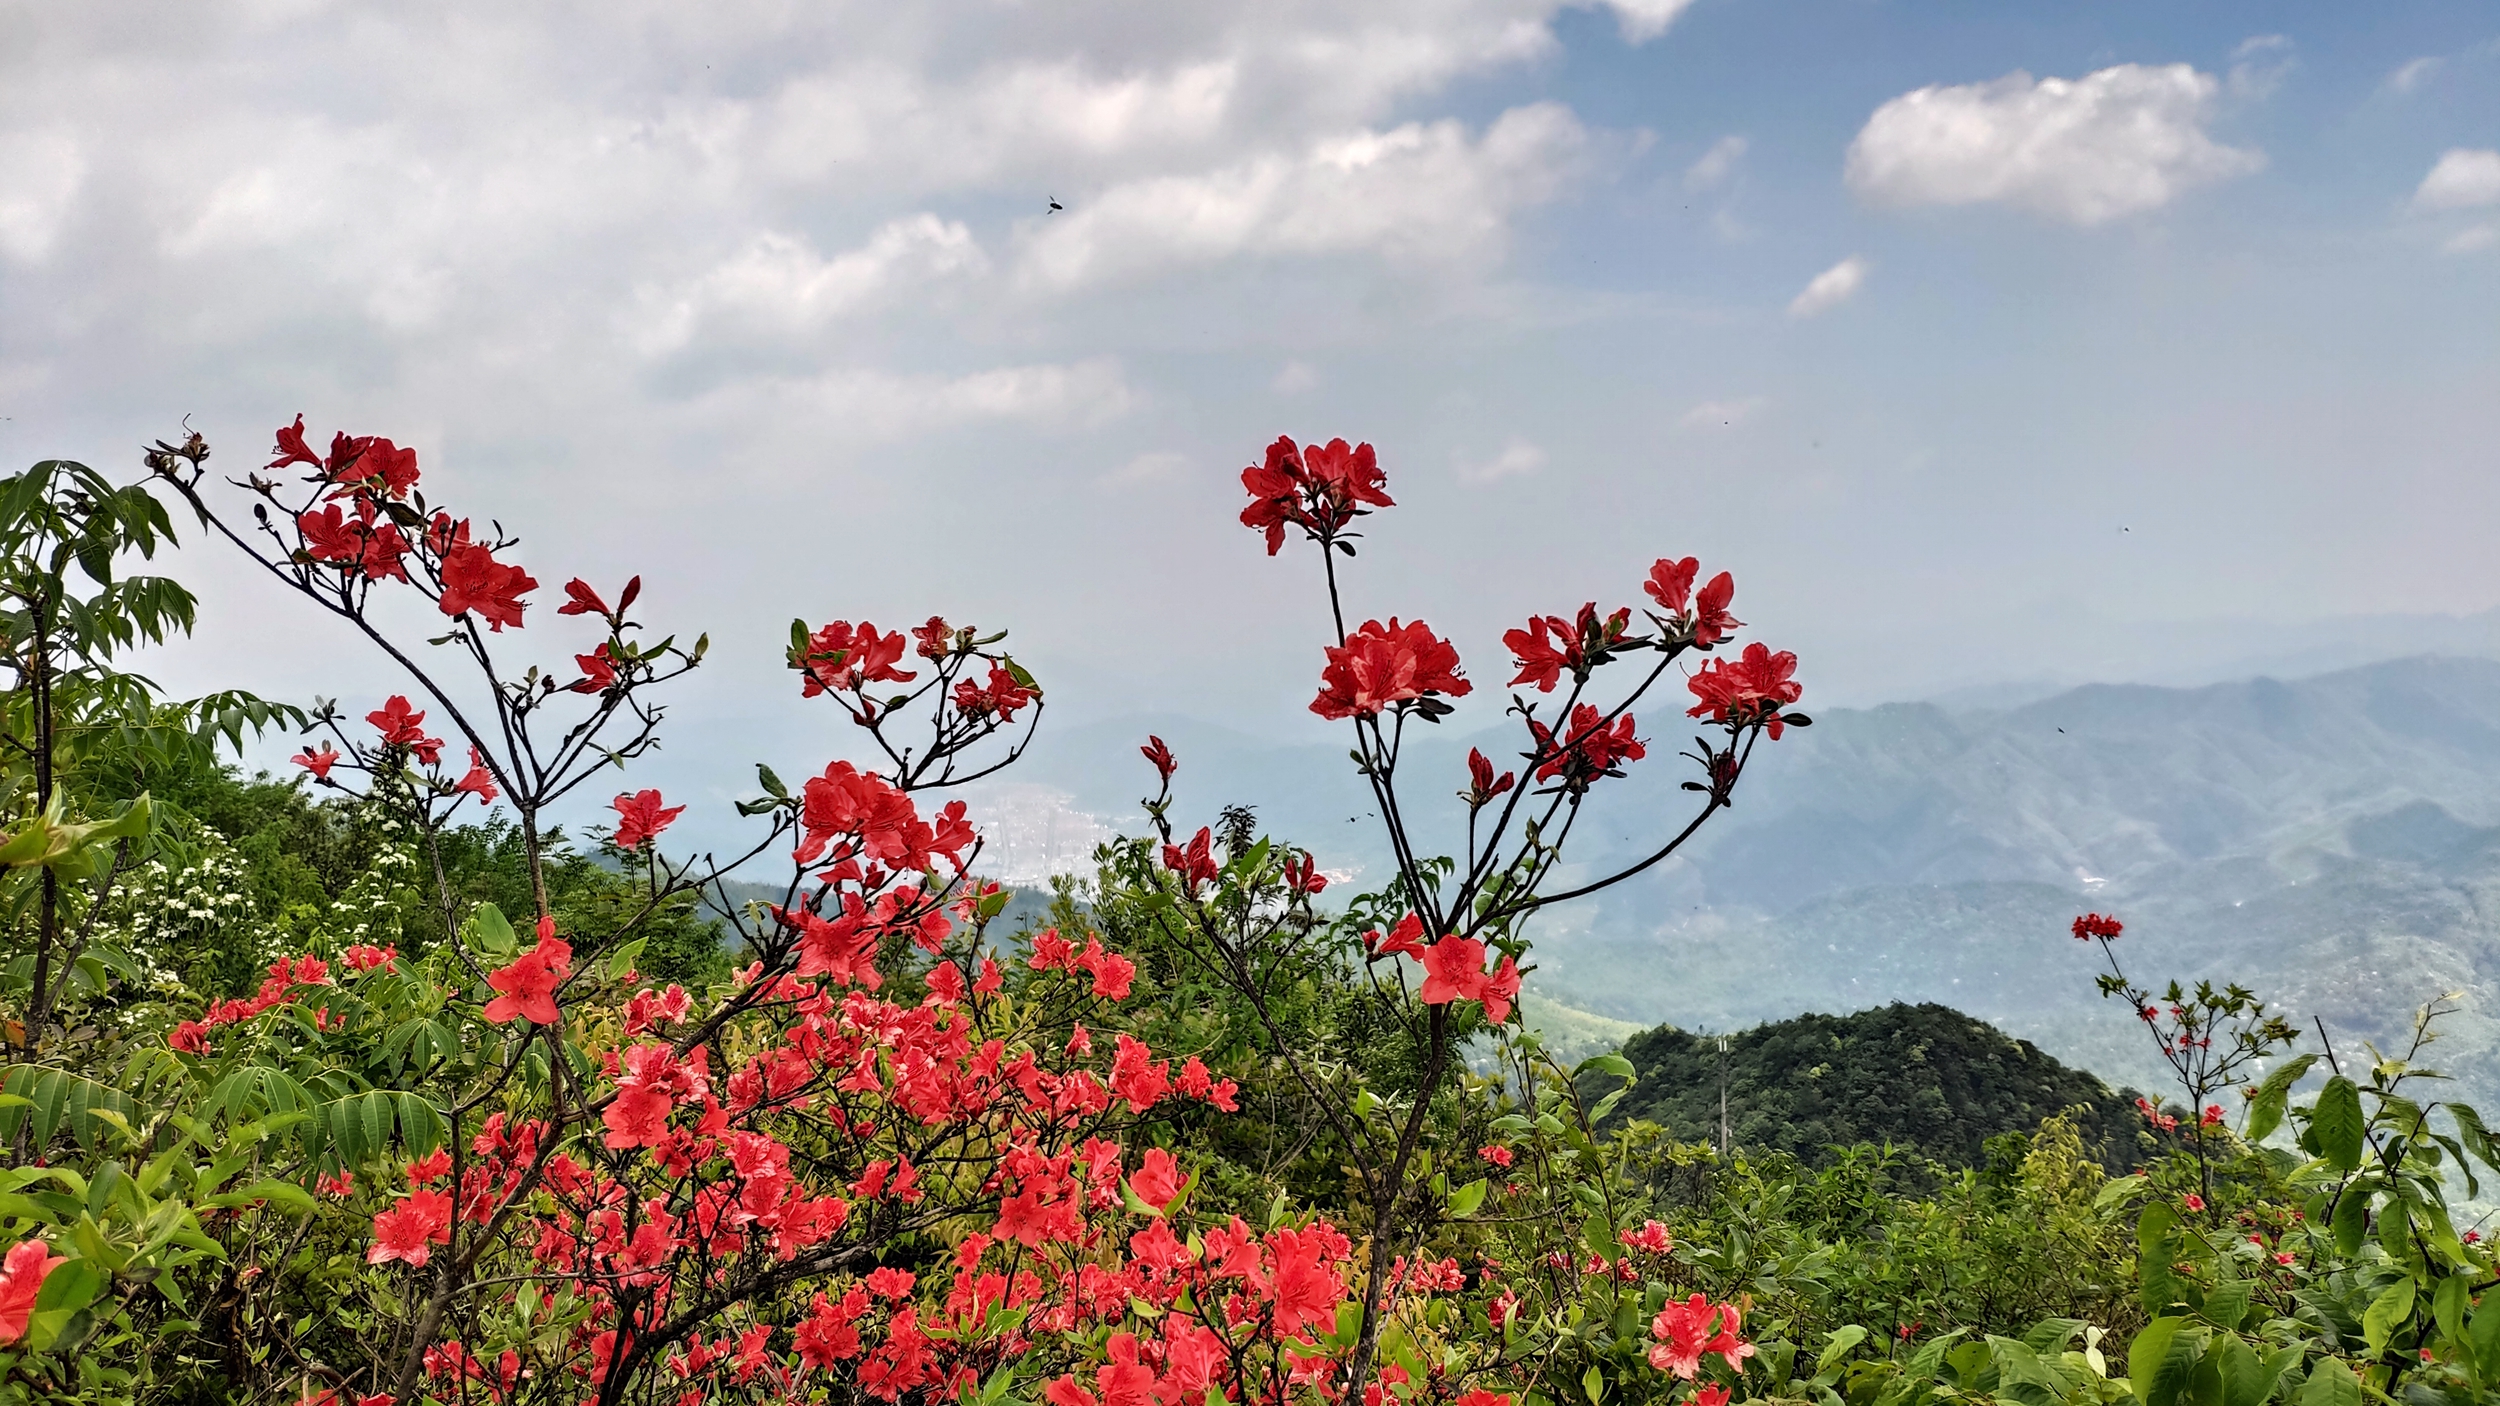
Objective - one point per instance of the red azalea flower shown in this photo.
(480, 782)
(1482, 785)
(598, 671)
(21, 1279)
(2092, 925)
(1158, 1178)
(640, 818)
(1379, 666)
(1453, 971)
(1496, 1154)
(1320, 489)
(580, 599)
(409, 1230)
(318, 763)
(1591, 747)
(474, 581)
(840, 659)
(291, 447)
(1751, 689)
(529, 983)
(935, 640)
(330, 536)
(1160, 756)
(399, 726)
(1404, 940)
(378, 463)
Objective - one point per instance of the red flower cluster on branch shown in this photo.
(1380, 666)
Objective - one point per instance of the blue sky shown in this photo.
(2148, 337)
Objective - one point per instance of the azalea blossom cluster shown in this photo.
(383, 526)
(287, 980)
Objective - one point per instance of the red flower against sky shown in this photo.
(1482, 784)
(1194, 861)
(378, 463)
(1749, 689)
(291, 447)
(1671, 584)
(2092, 925)
(409, 1230)
(640, 818)
(529, 983)
(1319, 489)
(474, 581)
(1590, 748)
(479, 782)
(402, 726)
(318, 763)
(21, 1278)
(598, 670)
(839, 658)
(1379, 666)
(1404, 940)
(1161, 757)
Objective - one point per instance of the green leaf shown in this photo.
(491, 932)
(1465, 1200)
(283, 1196)
(621, 960)
(2331, 1383)
(2352, 1218)
(2265, 1110)
(771, 782)
(2448, 1305)
(1614, 1064)
(2392, 1309)
(2241, 1375)
(2160, 1360)
(2336, 1120)
(1836, 1345)
(2113, 1192)
(1593, 1383)
(2483, 1334)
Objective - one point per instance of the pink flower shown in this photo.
(21, 1278)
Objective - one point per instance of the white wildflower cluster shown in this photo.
(156, 910)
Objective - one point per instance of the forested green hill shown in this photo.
(1923, 1077)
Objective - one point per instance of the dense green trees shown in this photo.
(1925, 1079)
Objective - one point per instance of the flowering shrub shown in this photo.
(1211, 1131)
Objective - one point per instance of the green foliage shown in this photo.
(1924, 1079)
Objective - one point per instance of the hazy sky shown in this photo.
(1982, 341)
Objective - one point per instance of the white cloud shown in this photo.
(1517, 457)
(778, 284)
(2472, 239)
(875, 404)
(2259, 65)
(1830, 288)
(1150, 467)
(1716, 164)
(2412, 74)
(2117, 142)
(1294, 378)
(1644, 20)
(1416, 194)
(2463, 179)
(40, 172)
(1723, 414)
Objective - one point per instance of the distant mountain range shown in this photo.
(2332, 841)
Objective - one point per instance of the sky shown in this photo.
(1984, 343)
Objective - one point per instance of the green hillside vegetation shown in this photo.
(1923, 1078)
